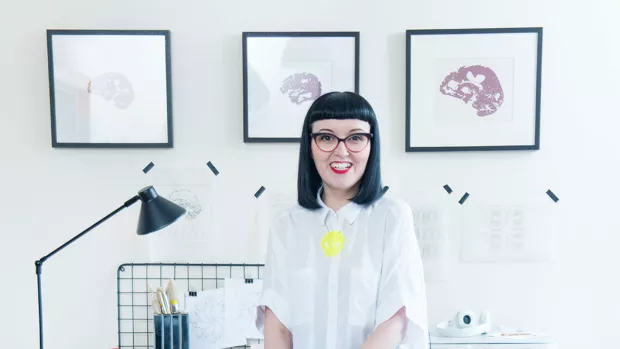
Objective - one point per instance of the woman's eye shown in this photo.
(326, 138)
(356, 138)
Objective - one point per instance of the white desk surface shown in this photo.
(484, 339)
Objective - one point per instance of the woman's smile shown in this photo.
(340, 167)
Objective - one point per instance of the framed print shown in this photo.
(284, 73)
(110, 88)
(473, 89)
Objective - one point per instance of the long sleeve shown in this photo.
(402, 277)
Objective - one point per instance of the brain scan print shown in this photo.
(114, 87)
(301, 87)
(475, 84)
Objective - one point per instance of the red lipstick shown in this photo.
(338, 171)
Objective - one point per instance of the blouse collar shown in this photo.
(350, 211)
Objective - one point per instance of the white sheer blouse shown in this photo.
(333, 290)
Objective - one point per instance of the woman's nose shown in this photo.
(341, 149)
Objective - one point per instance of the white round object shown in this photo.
(465, 319)
(445, 330)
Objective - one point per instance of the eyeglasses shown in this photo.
(328, 142)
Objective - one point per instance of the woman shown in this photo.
(343, 267)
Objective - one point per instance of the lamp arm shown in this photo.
(39, 263)
(128, 203)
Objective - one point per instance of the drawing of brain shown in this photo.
(476, 84)
(301, 87)
(188, 200)
(115, 87)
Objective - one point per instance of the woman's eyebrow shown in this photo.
(350, 131)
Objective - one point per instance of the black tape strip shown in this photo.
(213, 169)
(552, 196)
(465, 196)
(385, 189)
(448, 189)
(148, 167)
(259, 192)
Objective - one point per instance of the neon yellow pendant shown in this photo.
(332, 243)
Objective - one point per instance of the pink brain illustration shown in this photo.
(301, 87)
(477, 84)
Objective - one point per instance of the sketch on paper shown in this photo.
(429, 218)
(188, 200)
(506, 233)
(241, 304)
(432, 241)
(207, 321)
(428, 231)
(280, 202)
(195, 199)
(189, 187)
(206, 318)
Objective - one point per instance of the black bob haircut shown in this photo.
(340, 106)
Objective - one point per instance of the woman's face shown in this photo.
(341, 168)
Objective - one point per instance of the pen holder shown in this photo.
(171, 331)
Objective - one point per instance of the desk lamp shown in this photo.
(156, 213)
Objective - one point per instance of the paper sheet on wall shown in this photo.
(207, 321)
(193, 188)
(240, 310)
(431, 213)
(507, 232)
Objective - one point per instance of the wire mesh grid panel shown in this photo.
(135, 312)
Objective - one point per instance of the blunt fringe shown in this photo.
(340, 106)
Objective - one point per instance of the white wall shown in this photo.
(49, 195)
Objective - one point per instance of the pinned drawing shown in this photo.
(280, 201)
(506, 233)
(188, 200)
(191, 187)
(241, 306)
(206, 319)
(430, 213)
(428, 231)
(197, 201)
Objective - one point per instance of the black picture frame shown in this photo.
(533, 95)
(115, 78)
(294, 134)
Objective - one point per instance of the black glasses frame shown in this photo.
(343, 140)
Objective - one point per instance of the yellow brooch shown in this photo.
(332, 243)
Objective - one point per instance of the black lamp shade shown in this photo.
(157, 212)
